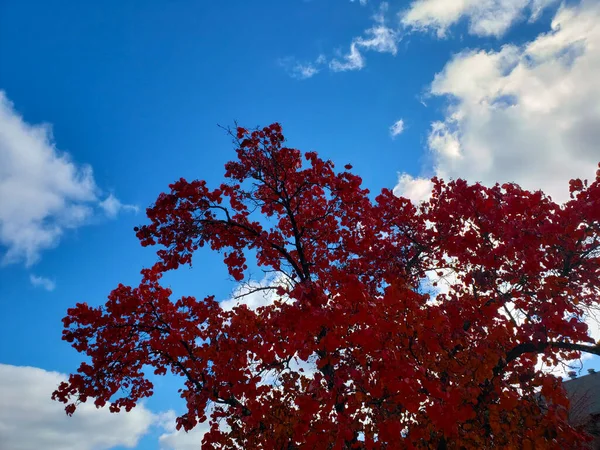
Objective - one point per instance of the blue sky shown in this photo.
(103, 104)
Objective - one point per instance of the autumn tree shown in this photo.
(425, 323)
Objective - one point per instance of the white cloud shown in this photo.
(351, 61)
(413, 188)
(43, 191)
(593, 322)
(30, 420)
(397, 128)
(522, 114)
(538, 6)
(379, 38)
(302, 70)
(181, 440)
(112, 206)
(362, 2)
(485, 17)
(175, 439)
(305, 71)
(254, 294)
(42, 282)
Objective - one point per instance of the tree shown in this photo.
(399, 362)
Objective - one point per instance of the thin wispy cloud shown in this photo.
(353, 60)
(42, 282)
(302, 70)
(112, 206)
(379, 38)
(397, 128)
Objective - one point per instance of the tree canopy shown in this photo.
(425, 322)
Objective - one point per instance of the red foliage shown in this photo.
(396, 367)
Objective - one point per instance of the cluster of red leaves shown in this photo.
(396, 367)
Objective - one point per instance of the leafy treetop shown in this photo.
(397, 364)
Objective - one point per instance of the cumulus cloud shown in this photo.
(485, 17)
(43, 191)
(593, 321)
(526, 114)
(416, 189)
(181, 440)
(30, 420)
(254, 294)
(397, 128)
(43, 282)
